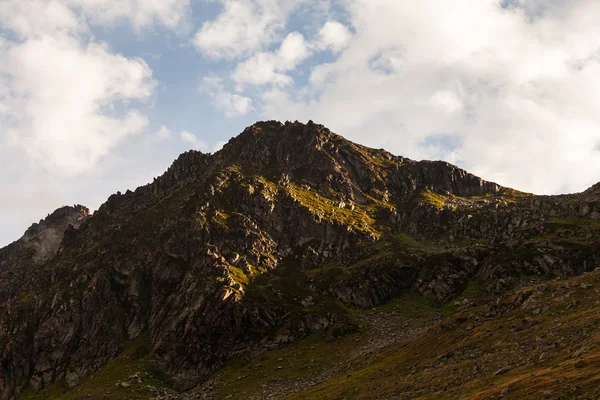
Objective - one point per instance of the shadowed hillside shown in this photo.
(294, 262)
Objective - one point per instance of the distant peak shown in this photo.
(66, 212)
(277, 131)
(46, 236)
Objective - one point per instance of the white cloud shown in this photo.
(518, 85)
(321, 74)
(243, 26)
(34, 17)
(293, 50)
(273, 67)
(163, 133)
(66, 100)
(140, 13)
(192, 140)
(61, 98)
(388, 61)
(270, 67)
(28, 18)
(446, 100)
(231, 104)
(334, 35)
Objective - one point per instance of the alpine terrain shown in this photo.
(296, 264)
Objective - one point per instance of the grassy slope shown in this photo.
(472, 355)
(311, 360)
(106, 383)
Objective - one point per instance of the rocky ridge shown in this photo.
(277, 237)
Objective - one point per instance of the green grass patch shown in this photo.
(238, 275)
(431, 198)
(581, 223)
(409, 305)
(359, 218)
(304, 359)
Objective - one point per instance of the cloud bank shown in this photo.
(515, 82)
(66, 99)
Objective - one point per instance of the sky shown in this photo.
(100, 96)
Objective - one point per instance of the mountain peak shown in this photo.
(312, 154)
(62, 216)
(186, 257)
(40, 242)
(274, 134)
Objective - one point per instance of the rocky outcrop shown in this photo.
(256, 245)
(40, 243)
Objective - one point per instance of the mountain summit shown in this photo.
(289, 235)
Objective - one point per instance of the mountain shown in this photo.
(294, 262)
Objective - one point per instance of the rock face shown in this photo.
(257, 245)
(40, 243)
